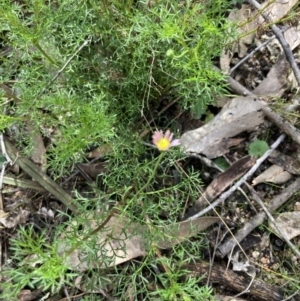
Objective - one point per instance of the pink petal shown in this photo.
(156, 133)
(156, 136)
(168, 134)
(175, 142)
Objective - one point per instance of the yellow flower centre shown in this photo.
(163, 144)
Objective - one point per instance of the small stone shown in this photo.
(255, 254)
(264, 260)
(294, 259)
(297, 206)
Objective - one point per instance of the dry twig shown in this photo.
(32, 170)
(286, 47)
(242, 61)
(85, 43)
(7, 158)
(271, 218)
(283, 124)
(259, 218)
(220, 183)
(259, 290)
(226, 194)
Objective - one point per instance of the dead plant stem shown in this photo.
(271, 218)
(259, 218)
(286, 47)
(226, 194)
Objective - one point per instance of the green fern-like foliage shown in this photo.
(136, 51)
(38, 264)
(7, 121)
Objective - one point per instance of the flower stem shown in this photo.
(115, 209)
(152, 174)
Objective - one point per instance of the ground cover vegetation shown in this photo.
(135, 53)
(90, 76)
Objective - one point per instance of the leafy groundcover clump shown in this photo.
(83, 73)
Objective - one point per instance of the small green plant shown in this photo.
(136, 52)
(257, 148)
(7, 121)
(222, 163)
(132, 53)
(178, 286)
(138, 188)
(36, 264)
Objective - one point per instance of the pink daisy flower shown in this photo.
(164, 142)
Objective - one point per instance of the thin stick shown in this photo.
(64, 66)
(226, 194)
(8, 160)
(3, 149)
(259, 218)
(206, 161)
(216, 212)
(246, 290)
(291, 296)
(286, 47)
(242, 61)
(283, 124)
(271, 218)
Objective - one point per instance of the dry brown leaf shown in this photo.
(38, 155)
(277, 9)
(297, 206)
(220, 183)
(292, 36)
(274, 174)
(245, 17)
(28, 295)
(227, 298)
(250, 20)
(175, 234)
(238, 115)
(278, 77)
(276, 81)
(3, 214)
(287, 162)
(99, 151)
(225, 60)
(19, 216)
(93, 170)
(120, 241)
(82, 285)
(288, 223)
